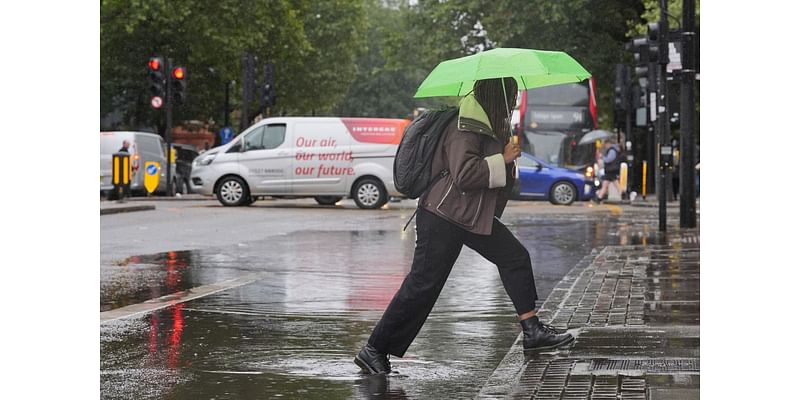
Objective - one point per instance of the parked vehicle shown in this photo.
(144, 147)
(561, 186)
(325, 158)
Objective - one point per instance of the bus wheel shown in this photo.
(369, 193)
(232, 191)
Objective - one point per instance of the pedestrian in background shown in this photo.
(125, 145)
(611, 166)
(464, 208)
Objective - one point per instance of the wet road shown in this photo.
(314, 298)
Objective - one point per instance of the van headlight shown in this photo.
(205, 160)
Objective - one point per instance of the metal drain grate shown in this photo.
(676, 365)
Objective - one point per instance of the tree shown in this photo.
(308, 42)
(591, 31)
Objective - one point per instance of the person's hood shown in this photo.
(472, 117)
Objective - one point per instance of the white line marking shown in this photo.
(170, 299)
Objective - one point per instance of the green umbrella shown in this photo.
(530, 68)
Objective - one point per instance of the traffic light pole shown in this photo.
(652, 129)
(246, 90)
(665, 150)
(168, 132)
(628, 130)
(688, 218)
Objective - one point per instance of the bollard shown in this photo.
(121, 167)
(644, 180)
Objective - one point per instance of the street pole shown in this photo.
(688, 218)
(246, 90)
(652, 129)
(628, 130)
(665, 151)
(168, 133)
(226, 116)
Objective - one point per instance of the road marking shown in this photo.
(175, 298)
(615, 210)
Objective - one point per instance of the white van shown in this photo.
(144, 147)
(324, 158)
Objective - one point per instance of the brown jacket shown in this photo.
(476, 188)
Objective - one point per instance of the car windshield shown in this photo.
(545, 145)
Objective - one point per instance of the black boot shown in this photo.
(373, 362)
(538, 336)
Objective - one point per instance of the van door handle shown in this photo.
(283, 153)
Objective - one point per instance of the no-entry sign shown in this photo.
(156, 102)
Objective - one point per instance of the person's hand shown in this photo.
(511, 152)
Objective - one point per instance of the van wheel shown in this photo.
(327, 200)
(563, 193)
(369, 194)
(232, 191)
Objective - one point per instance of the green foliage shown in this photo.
(652, 13)
(346, 57)
(313, 45)
(591, 31)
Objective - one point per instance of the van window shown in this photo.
(265, 137)
(274, 136)
(149, 145)
(110, 144)
(254, 139)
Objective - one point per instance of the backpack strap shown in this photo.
(439, 176)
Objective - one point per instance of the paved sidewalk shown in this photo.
(635, 312)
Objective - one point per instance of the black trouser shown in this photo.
(438, 244)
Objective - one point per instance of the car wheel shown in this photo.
(563, 193)
(327, 200)
(370, 194)
(232, 191)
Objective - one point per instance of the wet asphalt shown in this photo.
(321, 278)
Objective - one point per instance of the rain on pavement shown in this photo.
(294, 330)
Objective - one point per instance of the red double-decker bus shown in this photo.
(551, 121)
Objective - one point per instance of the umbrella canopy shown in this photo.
(597, 134)
(530, 68)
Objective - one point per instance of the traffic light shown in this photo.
(155, 72)
(656, 35)
(641, 48)
(179, 85)
(268, 93)
(621, 88)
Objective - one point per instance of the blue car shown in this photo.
(540, 180)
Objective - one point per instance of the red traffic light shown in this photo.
(154, 64)
(178, 73)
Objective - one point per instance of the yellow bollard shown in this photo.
(644, 179)
(623, 177)
(121, 166)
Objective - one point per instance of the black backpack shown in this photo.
(412, 163)
(614, 165)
